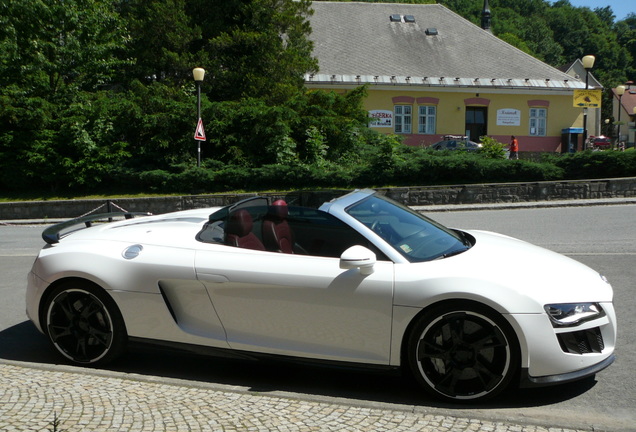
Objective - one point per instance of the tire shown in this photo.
(84, 324)
(463, 352)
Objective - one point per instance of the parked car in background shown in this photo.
(358, 280)
(600, 143)
(456, 142)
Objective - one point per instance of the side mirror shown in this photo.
(358, 257)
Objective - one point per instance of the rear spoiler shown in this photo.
(54, 233)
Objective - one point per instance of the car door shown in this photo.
(302, 304)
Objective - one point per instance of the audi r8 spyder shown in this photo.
(359, 280)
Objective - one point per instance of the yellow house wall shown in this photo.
(451, 111)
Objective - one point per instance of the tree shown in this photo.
(606, 15)
(55, 46)
(626, 37)
(54, 56)
(255, 48)
(338, 118)
(162, 36)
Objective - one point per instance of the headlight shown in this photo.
(573, 314)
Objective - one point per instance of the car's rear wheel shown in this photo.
(463, 352)
(84, 324)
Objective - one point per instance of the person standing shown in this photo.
(514, 148)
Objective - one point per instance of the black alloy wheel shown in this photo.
(463, 353)
(84, 324)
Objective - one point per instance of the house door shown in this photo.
(477, 122)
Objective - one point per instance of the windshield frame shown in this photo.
(414, 236)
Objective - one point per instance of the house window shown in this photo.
(538, 118)
(403, 118)
(426, 119)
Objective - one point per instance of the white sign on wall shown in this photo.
(508, 117)
(381, 118)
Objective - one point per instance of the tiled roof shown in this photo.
(628, 101)
(358, 43)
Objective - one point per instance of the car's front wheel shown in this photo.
(463, 352)
(84, 324)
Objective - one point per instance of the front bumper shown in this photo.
(530, 381)
(558, 355)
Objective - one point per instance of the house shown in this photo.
(624, 113)
(432, 73)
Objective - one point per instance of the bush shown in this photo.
(594, 164)
(387, 163)
(491, 148)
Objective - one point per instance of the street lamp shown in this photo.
(588, 63)
(620, 91)
(198, 74)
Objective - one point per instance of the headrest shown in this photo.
(279, 209)
(240, 223)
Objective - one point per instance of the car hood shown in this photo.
(533, 270)
(502, 270)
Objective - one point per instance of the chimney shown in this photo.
(485, 17)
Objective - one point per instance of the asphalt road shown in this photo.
(603, 237)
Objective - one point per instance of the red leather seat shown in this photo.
(277, 234)
(239, 231)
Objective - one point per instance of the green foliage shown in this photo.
(93, 90)
(54, 47)
(313, 127)
(391, 165)
(491, 148)
(161, 35)
(256, 48)
(594, 164)
(250, 132)
(316, 146)
(339, 118)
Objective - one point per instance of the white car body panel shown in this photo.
(301, 305)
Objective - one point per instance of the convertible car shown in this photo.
(361, 281)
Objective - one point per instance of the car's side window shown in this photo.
(321, 234)
(212, 232)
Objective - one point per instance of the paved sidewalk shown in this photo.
(33, 397)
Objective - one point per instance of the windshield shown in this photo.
(413, 235)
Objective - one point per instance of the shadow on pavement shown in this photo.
(23, 342)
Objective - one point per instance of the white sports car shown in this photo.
(361, 280)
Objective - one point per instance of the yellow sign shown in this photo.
(587, 98)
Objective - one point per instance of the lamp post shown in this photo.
(198, 74)
(588, 63)
(620, 91)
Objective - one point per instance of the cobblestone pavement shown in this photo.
(45, 399)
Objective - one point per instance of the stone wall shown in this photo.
(413, 196)
(515, 192)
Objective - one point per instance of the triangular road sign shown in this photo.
(199, 133)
